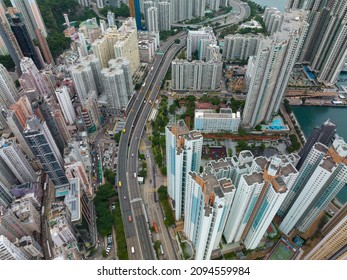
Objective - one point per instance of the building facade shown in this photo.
(209, 121)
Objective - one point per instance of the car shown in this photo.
(113, 207)
(125, 197)
(132, 155)
(147, 155)
(132, 250)
(130, 219)
(109, 240)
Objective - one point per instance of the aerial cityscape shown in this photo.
(173, 130)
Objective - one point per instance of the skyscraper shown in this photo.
(31, 15)
(214, 4)
(16, 161)
(325, 48)
(322, 185)
(181, 9)
(207, 205)
(10, 42)
(111, 19)
(199, 8)
(9, 251)
(90, 112)
(46, 52)
(183, 154)
(323, 135)
(152, 19)
(34, 77)
(164, 16)
(146, 6)
(274, 63)
(65, 104)
(334, 244)
(46, 150)
(240, 47)
(8, 91)
(259, 195)
(6, 198)
(24, 41)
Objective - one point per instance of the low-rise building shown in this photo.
(210, 121)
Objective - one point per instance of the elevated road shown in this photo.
(137, 230)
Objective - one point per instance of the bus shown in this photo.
(155, 227)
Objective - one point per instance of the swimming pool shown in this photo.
(275, 125)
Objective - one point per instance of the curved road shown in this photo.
(137, 231)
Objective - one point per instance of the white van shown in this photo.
(135, 175)
(133, 250)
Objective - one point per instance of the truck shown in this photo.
(155, 227)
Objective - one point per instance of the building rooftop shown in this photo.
(320, 147)
(253, 178)
(328, 164)
(288, 169)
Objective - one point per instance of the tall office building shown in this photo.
(117, 83)
(8, 91)
(31, 15)
(274, 63)
(135, 12)
(322, 185)
(10, 42)
(16, 161)
(24, 41)
(240, 47)
(325, 48)
(46, 52)
(9, 251)
(46, 150)
(64, 100)
(196, 75)
(183, 154)
(164, 16)
(207, 205)
(259, 195)
(152, 19)
(324, 135)
(334, 244)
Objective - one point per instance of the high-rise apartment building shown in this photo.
(146, 6)
(183, 154)
(272, 19)
(61, 125)
(199, 8)
(27, 215)
(6, 198)
(9, 251)
(111, 21)
(65, 103)
(196, 38)
(152, 19)
(207, 205)
(260, 192)
(16, 161)
(118, 43)
(46, 150)
(32, 77)
(164, 16)
(85, 3)
(325, 47)
(274, 63)
(196, 75)
(324, 135)
(214, 5)
(334, 244)
(46, 52)
(8, 91)
(117, 83)
(90, 112)
(135, 12)
(181, 9)
(10, 226)
(240, 47)
(28, 49)
(32, 16)
(207, 120)
(321, 186)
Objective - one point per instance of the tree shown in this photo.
(7, 61)
(258, 128)
(57, 43)
(201, 169)
(117, 137)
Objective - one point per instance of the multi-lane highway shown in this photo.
(137, 230)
